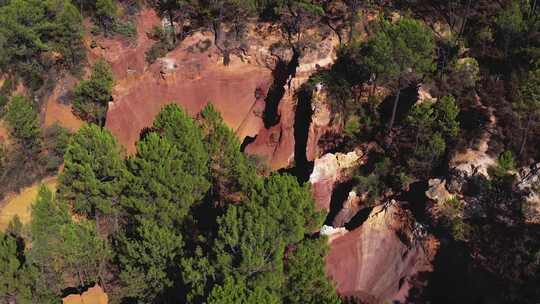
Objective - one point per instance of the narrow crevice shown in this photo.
(281, 74)
(339, 197)
(302, 120)
(247, 141)
(407, 99)
(415, 198)
(357, 220)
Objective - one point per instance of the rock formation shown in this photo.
(529, 178)
(437, 191)
(377, 261)
(94, 295)
(476, 160)
(280, 153)
(350, 207)
(194, 74)
(320, 123)
(328, 170)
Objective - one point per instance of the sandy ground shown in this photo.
(4, 132)
(19, 203)
(56, 112)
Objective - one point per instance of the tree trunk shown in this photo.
(171, 22)
(394, 110)
(524, 138)
(336, 31)
(465, 19)
(373, 90)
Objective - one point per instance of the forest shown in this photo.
(190, 217)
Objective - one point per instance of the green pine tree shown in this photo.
(92, 96)
(93, 172)
(23, 122)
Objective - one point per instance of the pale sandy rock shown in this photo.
(473, 161)
(332, 233)
(94, 295)
(350, 208)
(437, 191)
(424, 95)
(327, 171)
(329, 230)
(322, 114)
(476, 160)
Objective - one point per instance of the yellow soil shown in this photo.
(19, 204)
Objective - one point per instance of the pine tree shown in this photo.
(23, 121)
(176, 125)
(235, 292)
(63, 251)
(68, 34)
(93, 172)
(398, 53)
(159, 185)
(252, 236)
(527, 107)
(306, 279)
(231, 173)
(13, 287)
(161, 190)
(92, 96)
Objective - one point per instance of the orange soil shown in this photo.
(56, 112)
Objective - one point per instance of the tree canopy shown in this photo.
(23, 121)
(92, 96)
(31, 30)
(93, 172)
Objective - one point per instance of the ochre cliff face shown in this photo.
(190, 76)
(193, 75)
(191, 80)
(375, 265)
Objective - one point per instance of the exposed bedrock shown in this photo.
(321, 123)
(192, 79)
(329, 170)
(255, 92)
(379, 261)
(285, 112)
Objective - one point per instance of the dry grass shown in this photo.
(19, 204)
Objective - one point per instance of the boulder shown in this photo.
(437, 191)
(379, 261)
